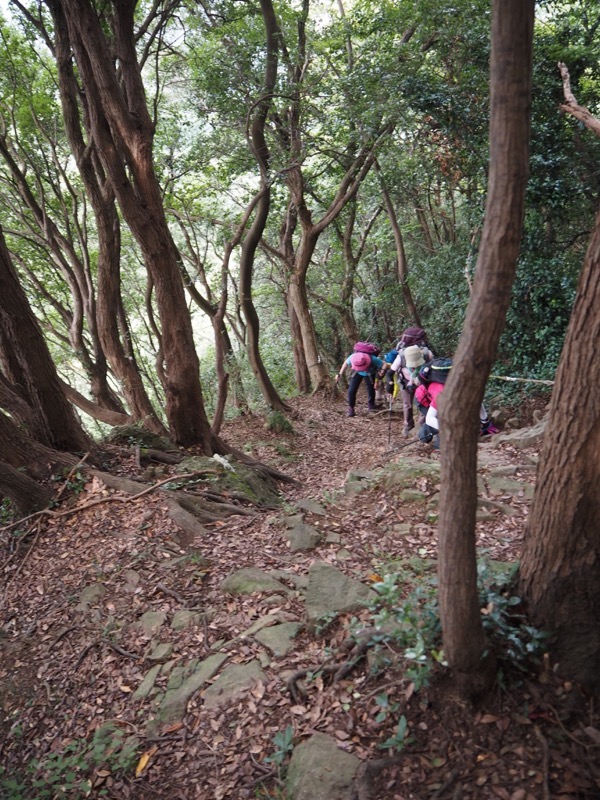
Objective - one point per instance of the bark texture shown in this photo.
(27, 365)
(123, 133)
(560, 567)
(25, 494)
(464, 643)
(259, 148)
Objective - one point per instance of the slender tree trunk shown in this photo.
(97, 412)
(301, 369)
(401, 265)
(319, 375)
(259, 147)
(464, 644)
(78, 280)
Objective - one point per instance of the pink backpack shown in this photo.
(366, 347)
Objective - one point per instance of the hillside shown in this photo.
(140, 661)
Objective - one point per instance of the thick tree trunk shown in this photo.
(123, 132)
(464, 644)
(560, 566)
(28, 366)
(20, 451)
(26, 495)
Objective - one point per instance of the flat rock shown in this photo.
(320, 770)
(522, 437)
(90, 596)
(303, 537)
(232, 682)
(147, 684)
(162, 652)
(278, 638)
(330, 591)
(503, 485)
(174, 703)
(184, 618)
(306, 504)
(251, 579)
(151, 622)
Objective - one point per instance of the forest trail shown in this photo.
(139, 664)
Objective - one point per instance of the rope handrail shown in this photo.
(521, 380)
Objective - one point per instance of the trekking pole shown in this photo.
(390, 422)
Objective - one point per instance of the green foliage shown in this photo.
(73, 482)
(410, 623)
(284, 745)
(279, 423)
(400, 738)
(68, 773)
(518, 645)
(406, 617)
(7, 511)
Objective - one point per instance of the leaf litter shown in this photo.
(73, 653)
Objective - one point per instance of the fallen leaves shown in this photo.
(221, 754)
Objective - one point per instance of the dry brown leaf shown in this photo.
(144, 759)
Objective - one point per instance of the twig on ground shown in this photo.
(545, 763)
(446, 785)
(162, 588)
(108, 643)
(23, 562)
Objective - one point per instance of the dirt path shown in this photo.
(119, 645)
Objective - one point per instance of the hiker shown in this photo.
(364, 366)
(431, 383)
(415, 340)
(412, 336)
(426, 397)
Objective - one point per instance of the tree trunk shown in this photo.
(401, 265)
(300, 366)
(26, 495)
(21, 452)
(109, 309)
(259, 148)
(123, 133)
(78, 279)
(464, 644)
(27, 364)
(319, 375)
(97, 412)
(560, 565)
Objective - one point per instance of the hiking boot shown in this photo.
(407, 429)
(350, 412)
(373, 407)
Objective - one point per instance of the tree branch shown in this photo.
(571, 106)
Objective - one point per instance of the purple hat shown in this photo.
(360, 361)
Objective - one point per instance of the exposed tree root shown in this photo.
(339, 670)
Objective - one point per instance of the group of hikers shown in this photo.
(411, 370)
